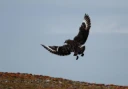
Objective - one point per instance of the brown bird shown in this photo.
(75, 45)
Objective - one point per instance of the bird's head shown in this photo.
(67, 41)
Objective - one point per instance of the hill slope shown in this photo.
(29, 81)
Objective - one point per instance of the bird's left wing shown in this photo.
(83, 33)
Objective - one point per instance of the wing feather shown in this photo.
(58, 50)
(62, 50)
(83, 30)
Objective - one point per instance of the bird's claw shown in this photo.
(77, 57)
(82, 54)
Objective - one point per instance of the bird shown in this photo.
(76, 44)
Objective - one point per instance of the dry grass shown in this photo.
(29, 81)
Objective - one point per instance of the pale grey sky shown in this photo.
(25, 24)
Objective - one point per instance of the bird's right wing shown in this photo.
(58, 50)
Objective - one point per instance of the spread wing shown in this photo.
(58, 50)
(83, 30)
(62, 50)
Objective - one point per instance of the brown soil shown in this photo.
(30, 81)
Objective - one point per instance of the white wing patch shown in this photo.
(48, 48)
(57, 49)
(51, 49)
(85, 21)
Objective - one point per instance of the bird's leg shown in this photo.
(82, 50)
(76, 54)
(77, 57)
(82, 54)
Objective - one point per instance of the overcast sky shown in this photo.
(25, 24)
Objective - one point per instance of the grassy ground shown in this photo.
(29, 81)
